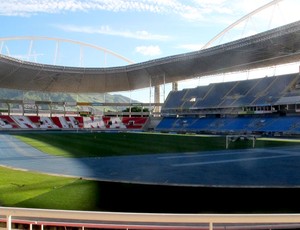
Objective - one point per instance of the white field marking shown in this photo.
(199, 154)
(289, 151)
(229, 161)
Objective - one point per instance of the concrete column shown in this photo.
(156, 97)
(175, 86)
(157, 94)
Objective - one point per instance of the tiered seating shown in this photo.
(276, 88)
(195, 95)
(174, 99)
(202, 124)
(215, 95)
(135, 123)
(38, 122)
(232, 125)
(219, 98)
(166, 123)
(7, 122)
(240, 92)
(255, 92)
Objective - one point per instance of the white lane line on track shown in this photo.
(292, 151)
(199, 154)
(235, 152)
(229, 161)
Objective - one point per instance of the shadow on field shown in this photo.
(122, 197)
(134, 197)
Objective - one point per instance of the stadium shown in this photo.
(219, 156)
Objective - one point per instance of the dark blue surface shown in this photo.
(273, 167)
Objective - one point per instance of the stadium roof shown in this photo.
(277, 46)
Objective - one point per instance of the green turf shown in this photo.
(27, 189)
(117, 144)
(114, 144)
(34, 190)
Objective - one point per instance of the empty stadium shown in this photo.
(238, 175)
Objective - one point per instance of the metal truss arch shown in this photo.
(247, 16)
(99, 48)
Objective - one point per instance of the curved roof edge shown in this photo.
(273, 47)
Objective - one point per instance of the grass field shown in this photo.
(28, 189)
(33, 190)
(118, 144)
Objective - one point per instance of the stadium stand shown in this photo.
(268, 105)
(71, 122)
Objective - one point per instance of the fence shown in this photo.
(118, 220)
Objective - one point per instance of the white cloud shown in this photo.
(192, 10)
(107, 30)
(223, 12)
(148, 50)
(31, 7)
(185, 9)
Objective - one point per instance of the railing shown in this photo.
(121, 220)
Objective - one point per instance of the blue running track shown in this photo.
(273, 167)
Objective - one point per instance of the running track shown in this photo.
(275, 167)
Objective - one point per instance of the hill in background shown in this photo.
(65, 97)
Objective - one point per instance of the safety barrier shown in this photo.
(121, 220)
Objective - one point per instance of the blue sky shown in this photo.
(139, 30)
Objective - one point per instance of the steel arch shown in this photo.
(31, 38)
(239, 21)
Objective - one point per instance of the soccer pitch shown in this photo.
(131, 143)
(37, 190)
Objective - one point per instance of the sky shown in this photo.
(131, 31)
